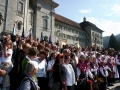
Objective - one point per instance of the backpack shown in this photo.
(33, 86)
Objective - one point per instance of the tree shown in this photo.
(113, 43)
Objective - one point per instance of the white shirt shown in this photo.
(70, 75)
(41, 68)
(14, 43)
(117, 62)
(106, 58)
(8, 59)
(50, 64)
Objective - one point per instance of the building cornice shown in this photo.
(49, 2)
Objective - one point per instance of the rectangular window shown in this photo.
(20, 7)
(31, 18)
(55, 33)
(45, 23)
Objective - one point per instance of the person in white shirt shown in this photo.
(118, 65)
(6, 63)
(76, 57)
(82, 74)
(50, 64)
(42, 69)
(103, 73)
(70, 74)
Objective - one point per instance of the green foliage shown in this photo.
(113, 43)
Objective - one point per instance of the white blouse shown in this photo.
(70, 75)
(50, 64)
(8, 59)
(41, 68)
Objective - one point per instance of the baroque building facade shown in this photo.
(39, 16)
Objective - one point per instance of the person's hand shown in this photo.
(65, 88)
(5, 48)
(2, 72)
(38, 88)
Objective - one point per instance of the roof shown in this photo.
(87, 23)
(67, 21)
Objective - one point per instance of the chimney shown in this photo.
(84, 19)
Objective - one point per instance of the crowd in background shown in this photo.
(31, 64)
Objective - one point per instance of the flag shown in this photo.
(14, 29)
(42, 37)
(50, 38)
(30, 36)
(23, 33)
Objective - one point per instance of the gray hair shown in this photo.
(31, 65)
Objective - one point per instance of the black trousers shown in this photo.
(70, 87)
(43, 83)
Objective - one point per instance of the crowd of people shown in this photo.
(30, 64)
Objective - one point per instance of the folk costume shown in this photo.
(118, 65)
(103, 74)
(82, 74)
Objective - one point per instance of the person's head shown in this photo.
(35, 44)
(67, 46)
(88, 59)
(42, 55)
(13, 38)
(54, 47)
(30, 41)
(26, 47)
(3, 37)
(94, 59)
(90, 54)
(102, 64)
(20, 44)
(42, 42)
(47, 50)
(98, 55)
(75, 51)
(109, 60)
(53, 55)
(59, 58)
(66, 52)
(102, 57)
(8, 43)
(106, 53)
(32, 53)
(67, 59)
(82, 58)
(40, 47)
(72, 56)
(8, 36)
(32, 68)
(47, 45)
(37, 39)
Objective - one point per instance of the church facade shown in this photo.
(39, 16)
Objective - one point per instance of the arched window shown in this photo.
(19, 25)
(45, 22)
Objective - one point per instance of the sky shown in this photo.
(105, 14)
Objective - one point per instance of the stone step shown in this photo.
(115, 87)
